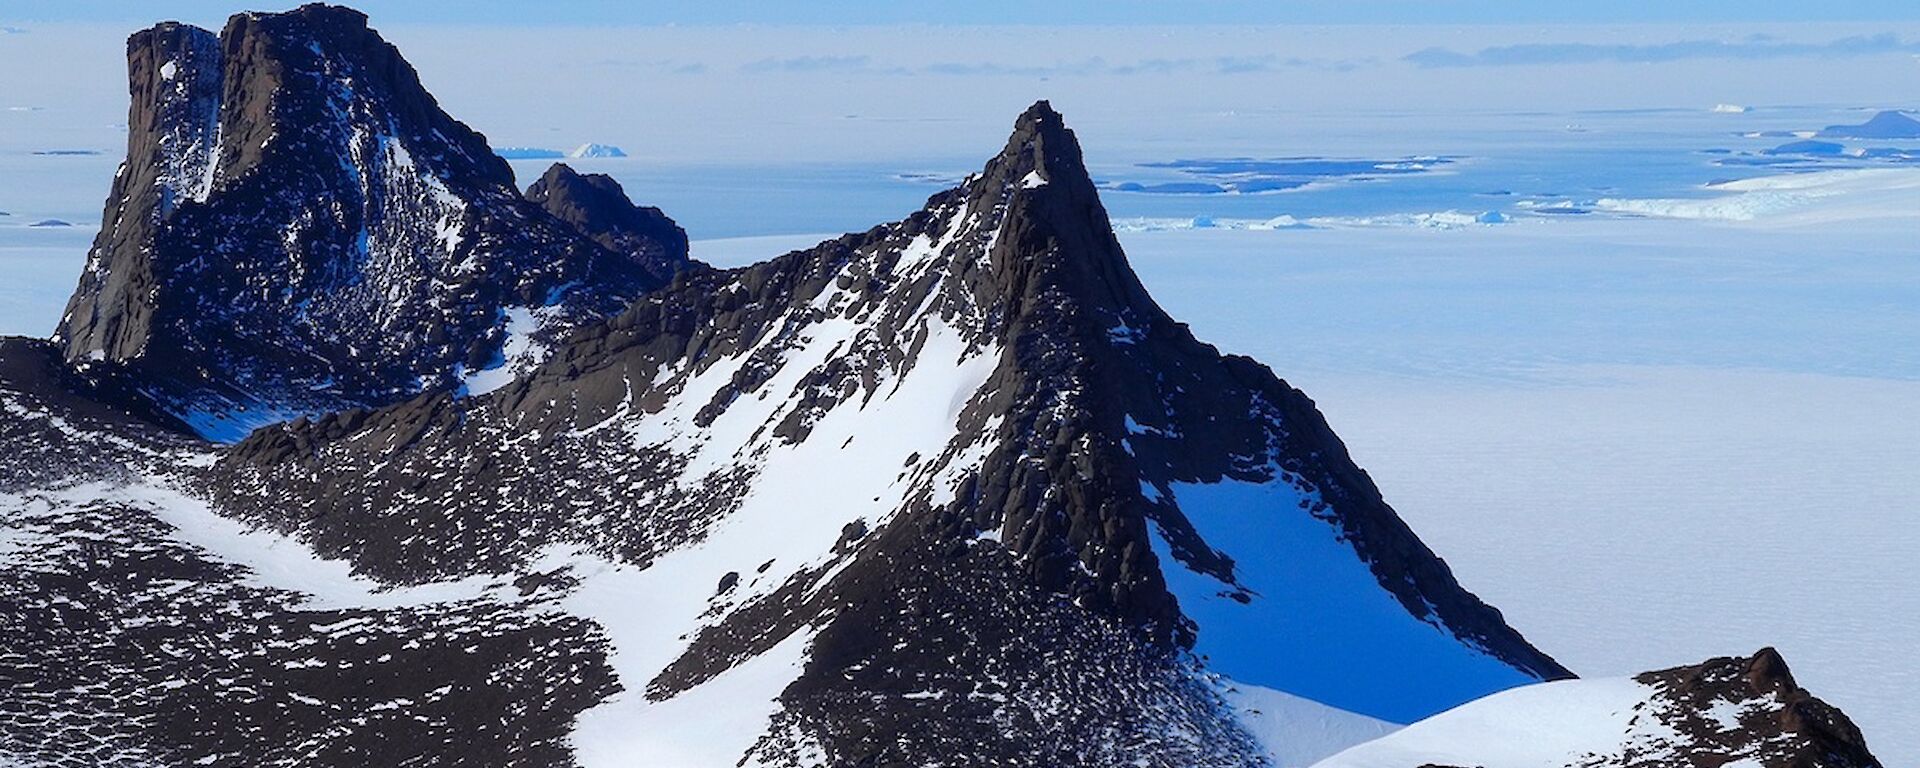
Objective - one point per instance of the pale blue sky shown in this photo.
(572, 12)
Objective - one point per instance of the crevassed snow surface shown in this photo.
(1547, 725)
(1318, 625)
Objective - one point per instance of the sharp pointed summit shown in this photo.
(1042, 145)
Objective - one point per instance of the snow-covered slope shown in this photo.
(1550, 725)
(1299, 591)
(1725, 712)
(298, 228)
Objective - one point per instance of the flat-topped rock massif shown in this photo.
(299, 228)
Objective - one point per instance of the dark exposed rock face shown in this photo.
(171, 132)
(1728, 709)
(300, 228)
(595, 205)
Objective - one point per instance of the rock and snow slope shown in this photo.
(138, 628)
(951, 490)
(831, 437)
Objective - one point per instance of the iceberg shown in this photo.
(597, 150)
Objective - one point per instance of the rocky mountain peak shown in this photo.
(1077, 455)
(1042, 150)
(1052, 248)
(1040, 170)
(173, 76)
(299, 228)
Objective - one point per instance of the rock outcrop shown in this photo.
(1732, 711)
(596, 206)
